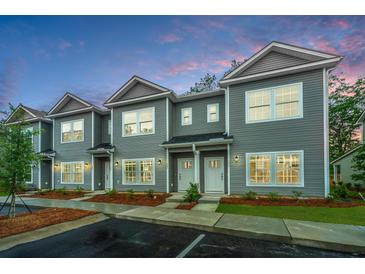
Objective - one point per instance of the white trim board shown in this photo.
(137, 161)
(83, 173)
(73, 121)
(137, 111)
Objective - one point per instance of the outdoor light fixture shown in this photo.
(86, 164)
(236, 158)
(56, 165)
(116, 163)
(159, 162)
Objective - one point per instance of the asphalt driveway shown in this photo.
(115, 238)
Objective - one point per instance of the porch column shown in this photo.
(197, 167)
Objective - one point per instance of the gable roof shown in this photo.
(346, 154)
(361, 118)
(33, 114)
(117, 97)
(82, 106)
(310, 59)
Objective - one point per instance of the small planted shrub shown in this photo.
(40, 192)
(341, 192)
(330, 198)
(62, 191)
(250, 195)
(79, 189)
(273, 196)
(297, 194)
(340, 183)
(130, 193)
(111, 192)
(348, 185)
(150, 193)
(192, 193)
(358, 187)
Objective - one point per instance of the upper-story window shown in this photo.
(186, 116)
(138, 122)
(276, 103)
(213, 113)
(72, 131)
(29, 132)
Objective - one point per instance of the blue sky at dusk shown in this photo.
(41, 57)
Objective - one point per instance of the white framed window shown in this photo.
(138, 171)
(109, 127)
(72, 131)
(138, 122)
(29, 132)
(72, 172)
(29, 175)
(186, 116)
(213, 113)
(274, 103)
(279, 169)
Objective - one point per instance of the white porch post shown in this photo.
(196, 165)
(92, 173)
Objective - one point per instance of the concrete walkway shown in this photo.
(322, 235)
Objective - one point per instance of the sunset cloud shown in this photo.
(169, 38)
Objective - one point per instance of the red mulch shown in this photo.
(290, 202)
(137, 199)
(58, 195)
(30, 221)
(186, 206)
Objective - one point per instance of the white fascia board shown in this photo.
(64, 97)
(81, 110)
(16, 110)
(201, 143)
(139, 99)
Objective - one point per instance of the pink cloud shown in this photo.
(169, 38)
(223, 63)
(353, 43)
(322, 44)
(184, 67)
(63, 45)
(341, 23)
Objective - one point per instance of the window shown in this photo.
(109, 127)
(275, 169)
(29, 175)
(277, 103)
(72, 173)
(214, 163)
(138, 171)
(29, 132)
(213, 113)
(139, 122)
(188, 164)
(72, 131)
(186, 116)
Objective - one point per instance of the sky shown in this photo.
(42, 57)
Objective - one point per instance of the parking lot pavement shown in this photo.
(124, 238)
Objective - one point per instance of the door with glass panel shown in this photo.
(214, 174)
(185, 173)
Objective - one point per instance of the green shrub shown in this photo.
(348, 185)
(130, 193)
(341, 192)
(79, 189)
(358, 187)
(273, 196)
(250, 195)
(111, 192)
(62, 191)
(192, 193)
(297, 194)
(340, 183)
(330, 198)
(150, 193)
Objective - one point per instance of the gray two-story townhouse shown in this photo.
(80, 144)
(39, 175)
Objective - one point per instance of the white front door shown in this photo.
(107, 175)
(214, 174)
(185, 173)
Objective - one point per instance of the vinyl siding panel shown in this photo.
(105, 137)
(297, 134)
(143, 146)
(73, 152)
(199, 124)
(97, 129)
(139, 90)
(46, 137)
(346, 169)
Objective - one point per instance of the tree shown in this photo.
(358, 165)
(207, 83)
(234, 65)
(17, 156)
(346, 103)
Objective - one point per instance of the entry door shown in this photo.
(185, 173)
(214, 174)
(107, 175)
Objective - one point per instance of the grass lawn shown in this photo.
(350, 215)
(3, 193)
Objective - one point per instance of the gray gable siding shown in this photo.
(72, 104)
(105, 137)
(138, 90)
(144, 146)
(199, 112)
(273, 60)
(72, 152)
(297, 134)
(46, 137)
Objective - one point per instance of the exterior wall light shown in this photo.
(159, 162)
(56, 165)
(86, 164)
(236, 158)
(116, 163)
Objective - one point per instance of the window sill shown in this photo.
(72, 183)
(138, 184)
(72, 142)
(134, 135)
(253, 185)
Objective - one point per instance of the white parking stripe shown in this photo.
(190, 246)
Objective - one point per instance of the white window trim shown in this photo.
(273, 168)
(208, 116)
(83, 173)
(139, 184)
(31, 176)
(272, 104)
(191, 116)
(137, 122)
(31, 130)
(73, 121)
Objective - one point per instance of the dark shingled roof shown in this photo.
(102, 146)
(197, 138)
(37, 113)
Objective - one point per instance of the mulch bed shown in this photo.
(290, 202)
(30, 221)
(186, 206)
(58, 195)
(137, 199)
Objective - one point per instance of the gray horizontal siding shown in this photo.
(346, 168)
(147, 146)
(199, 124)
(297, 134)
(105, 137)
